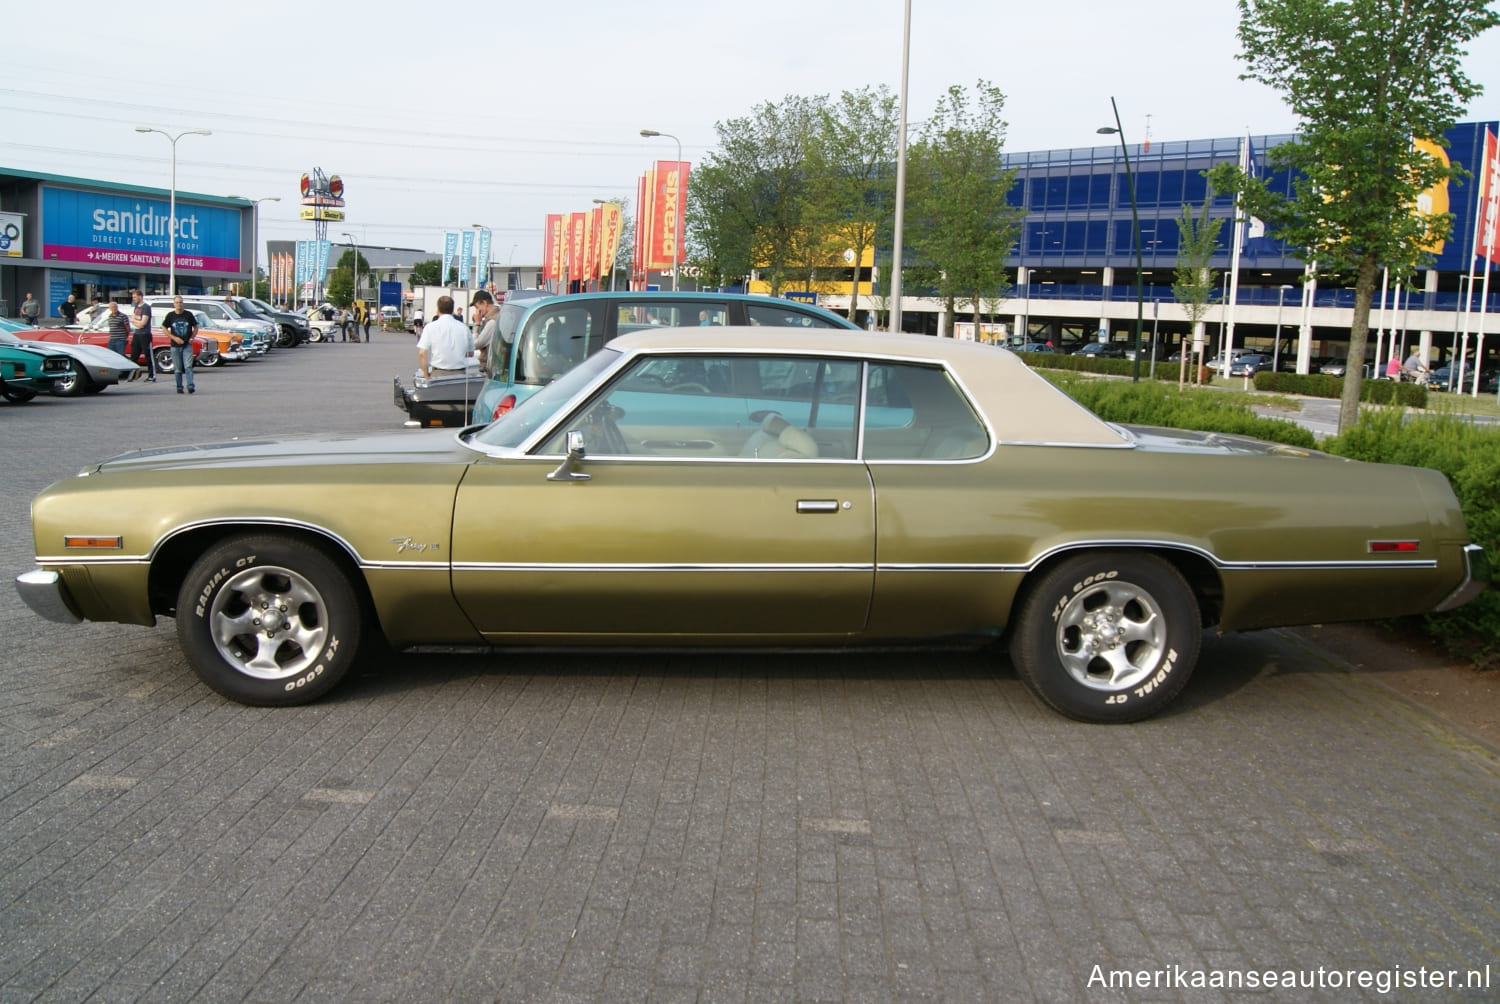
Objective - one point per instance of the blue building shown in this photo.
(1074, 265)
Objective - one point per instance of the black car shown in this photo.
(292, 329)
(1102, 350)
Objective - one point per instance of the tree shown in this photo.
(718, 225)
(758, 183)
(339, 290)
(960, 223)
(357, 278)
(428, 272)
(851, 165)
(1193, 282)
(1367, 80)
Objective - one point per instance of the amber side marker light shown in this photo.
(92, 542)
(1386, 546)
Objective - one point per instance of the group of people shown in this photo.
(446, 342)
(350, 321)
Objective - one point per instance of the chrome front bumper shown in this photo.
(1476, 579)
(45, 594)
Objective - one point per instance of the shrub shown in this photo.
(1165, 405)
(1165, 371)
(1407, 395)
(1469, 455)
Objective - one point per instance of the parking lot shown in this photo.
(665, 826)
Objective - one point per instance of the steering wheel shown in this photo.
(695, 388)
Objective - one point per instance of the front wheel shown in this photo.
(268, 621)
(163, 357)
(316, 336)
(1107, 637)
(75, 383)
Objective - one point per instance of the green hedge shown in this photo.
(1409, 395)
(1109, 367)
(1163, 404)
(1469, 455)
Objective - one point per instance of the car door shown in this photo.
(712, 509)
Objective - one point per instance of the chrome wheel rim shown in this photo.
(268, 622)
(1111, 636)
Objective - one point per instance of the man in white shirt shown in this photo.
(445, 343)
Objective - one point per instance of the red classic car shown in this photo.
(204, 350)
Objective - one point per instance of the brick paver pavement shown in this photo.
(617, 827)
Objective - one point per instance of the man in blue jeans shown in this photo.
(180, 327)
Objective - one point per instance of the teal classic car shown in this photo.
(752, 486)
(543, 337)
(27, 372)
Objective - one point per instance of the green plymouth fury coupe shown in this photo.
(759, 487)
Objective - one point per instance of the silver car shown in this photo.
(94, 367)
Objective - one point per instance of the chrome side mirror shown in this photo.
(576, 453)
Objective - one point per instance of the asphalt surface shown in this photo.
(619, 827)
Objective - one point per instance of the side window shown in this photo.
(637, 314)
(778, 315)
(553, 341)
(701, 406)
(919, 413)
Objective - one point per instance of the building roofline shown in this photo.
(163, 193)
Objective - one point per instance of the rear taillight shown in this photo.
(506, 404)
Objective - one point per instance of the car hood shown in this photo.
(406, 447)
(1159, 440)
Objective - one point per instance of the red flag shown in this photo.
(1487, 240)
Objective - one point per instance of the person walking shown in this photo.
(343, 324)
(31, 310)
(180, 327)
(365, 320)
(140, 334)
(445, 343)
(119, 328)
(68, 310)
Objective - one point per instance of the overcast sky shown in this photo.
(441, 115)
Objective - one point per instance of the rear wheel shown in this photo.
(1108, 637)
(269, 621)
(16, 395)
(163, 357)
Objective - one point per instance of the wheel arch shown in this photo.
(1195, 566)
(175, 554)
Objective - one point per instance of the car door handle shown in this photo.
(817, 505)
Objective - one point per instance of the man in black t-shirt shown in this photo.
(68, 310)
(180, 326)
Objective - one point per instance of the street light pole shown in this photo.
(254, 237)
(681, 203)
(1135, 224)
(172, 201)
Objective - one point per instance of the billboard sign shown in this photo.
(12, 231)
(99, 228)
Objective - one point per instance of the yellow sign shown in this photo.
(321, 213)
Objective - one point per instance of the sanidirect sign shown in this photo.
(96, 228)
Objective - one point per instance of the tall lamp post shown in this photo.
(254, 237)
(355, 264)
(1135, 225)
(172, 211)
(682, 203)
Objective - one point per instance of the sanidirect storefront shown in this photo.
(91, 240)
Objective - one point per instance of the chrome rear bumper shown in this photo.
(1476, 579)
(45, 594)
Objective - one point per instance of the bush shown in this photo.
(1165, 405)
(1407, 395)
(1108, 367)
(1469, 455)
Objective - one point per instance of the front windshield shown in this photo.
(513, 428)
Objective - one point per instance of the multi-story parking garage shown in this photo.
(1074, 265)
